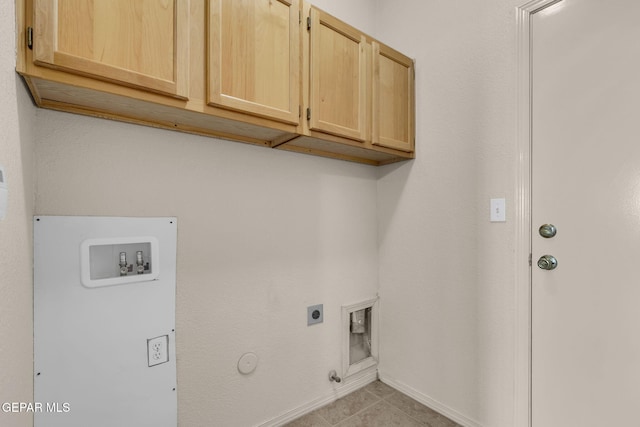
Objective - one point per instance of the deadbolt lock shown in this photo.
(547, 230)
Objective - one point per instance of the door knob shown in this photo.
(547, 262)
(547, 230)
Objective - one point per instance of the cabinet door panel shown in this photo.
(338, 77)
(142, 43)
(254, 57)
(393, 99)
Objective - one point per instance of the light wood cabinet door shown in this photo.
(254, 57)
(338, 77)
(141, 43)
(393, 122)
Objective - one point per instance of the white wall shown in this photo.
(360, 14)
(446, 272)
(262, 234)
(16, 313)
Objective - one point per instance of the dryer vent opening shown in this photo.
(360, 350)
(360, 335)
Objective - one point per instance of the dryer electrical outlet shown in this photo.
(104, 338)
(315, 314)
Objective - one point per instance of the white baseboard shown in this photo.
(347, 386)
(428, 401)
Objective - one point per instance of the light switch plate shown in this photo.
(4, 194)
(498, 210)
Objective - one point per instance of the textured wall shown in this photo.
(16, 312)
(446, 272)
(262, 235)
(360, 14)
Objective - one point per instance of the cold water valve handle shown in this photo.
(139, 263)
(124, 269)
(333, 376)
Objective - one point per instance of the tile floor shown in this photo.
(375, 405)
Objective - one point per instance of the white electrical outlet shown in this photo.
(158, 350)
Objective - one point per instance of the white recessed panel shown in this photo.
(102, 265)
(105, 352)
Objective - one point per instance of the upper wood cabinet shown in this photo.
(254, 57)
(276, 73)
(393, 103)
(338, 77)
(357, 92)
(141, 43)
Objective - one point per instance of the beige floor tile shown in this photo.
(347, 406)
(418, 411)
(381, 414)
(380, 389)
(375, 405)
(309, 420)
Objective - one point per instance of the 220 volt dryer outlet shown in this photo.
(314, 314)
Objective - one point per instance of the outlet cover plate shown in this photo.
(498, 210)
(314, 314)
(158, 350)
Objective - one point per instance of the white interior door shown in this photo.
(586, 182)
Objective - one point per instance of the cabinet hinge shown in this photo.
(299, 111)
(530, 260)
(30, 38)
(308, 22)
(308, 113)
(299, 17)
